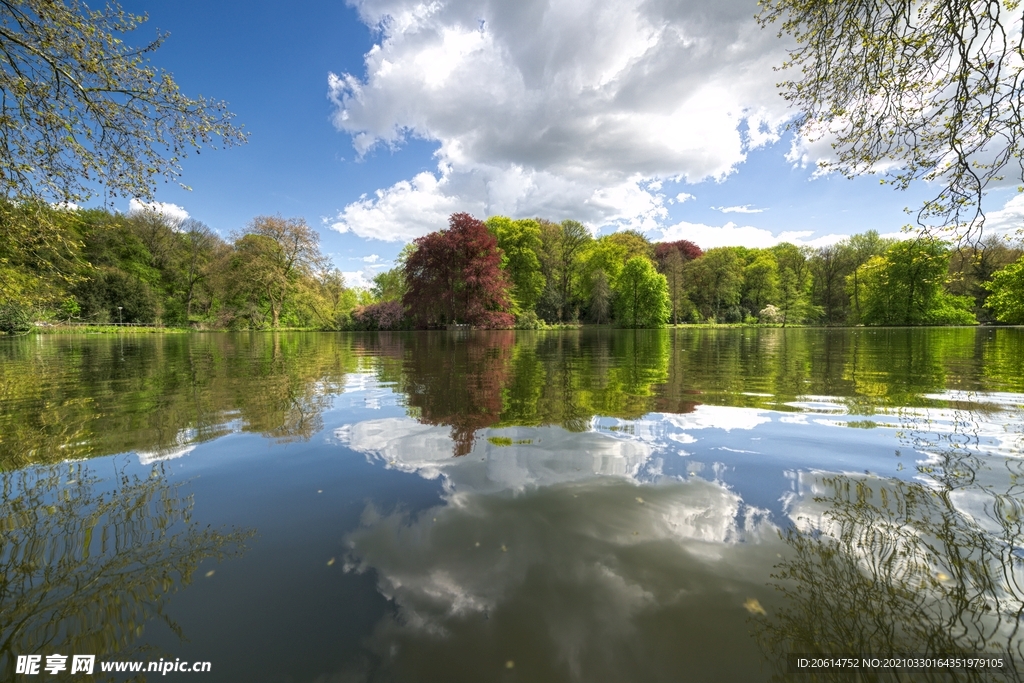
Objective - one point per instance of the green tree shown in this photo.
(905, 287)
(928, 89)
(715, 280)
(795, 281)
(562, 247)
(641, 295)
(600, 297)
(672, 268)
(277, 252)
(760, 281)
(519, 241)
(830, 266)
(1007, 293)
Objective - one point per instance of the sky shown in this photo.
(374, 120)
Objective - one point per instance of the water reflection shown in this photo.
(932, 565)
(631, 492)
(592, 580)
(84, 565)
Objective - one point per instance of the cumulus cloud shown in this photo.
(172, 212)
(372, 258)
(587, 573)
(555, 109)
(358, 278)
(682, 197)
(546, 456)
(1008, 220)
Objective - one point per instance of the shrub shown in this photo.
(386, 315)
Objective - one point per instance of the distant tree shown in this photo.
(795, 282)
(330, 300)
(455, 276)
(641, 295)
(905, 287)
(860, 249)
(715, 280)
(600, 297)
(972, 266)
(574, 238)
(197, 249)
(276, 253)
(685, 248)
(671, 266)
(1007, 293)
(830, 266)
(389, 285)
(519, 241)
(760, 281)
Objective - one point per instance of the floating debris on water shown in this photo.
(754, 607)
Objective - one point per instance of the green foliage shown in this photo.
(14, 318)
(641, 295)
(905, 287)
(760, 280)
(82, 106)
(1007, 298)
(519, 241)
(102, 295)
(389, 285)
(927, 90)
(714, 281)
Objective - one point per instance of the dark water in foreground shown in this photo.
(598, 506)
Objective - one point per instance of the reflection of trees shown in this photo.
(888, 566)
(74, 397)
(83, 569)
(457, 380)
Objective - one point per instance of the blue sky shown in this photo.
(375, 119)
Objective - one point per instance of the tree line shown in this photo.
(530, 272)
(103, 267)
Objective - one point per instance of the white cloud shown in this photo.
(682, 197)
(733, 235)
(746, 208)
(372, 258)
(1008, 220)
(556, 109)
(172, 212)
(358, 278)
(410, 209)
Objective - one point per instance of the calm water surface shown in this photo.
(615, 506)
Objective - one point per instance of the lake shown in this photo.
(594, 505)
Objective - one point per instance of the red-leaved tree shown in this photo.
(455, 276)
(687, 249)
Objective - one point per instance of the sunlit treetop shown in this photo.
(82, 109)
(918, 90)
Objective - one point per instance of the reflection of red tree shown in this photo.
(457, 380)
(455, 276)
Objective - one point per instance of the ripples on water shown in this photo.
(593, 506)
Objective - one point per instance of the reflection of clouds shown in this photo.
(587, 576)
(551, 455)
(718, 417)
